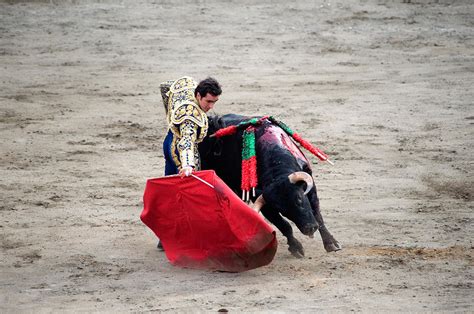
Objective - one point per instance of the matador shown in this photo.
(186, 104)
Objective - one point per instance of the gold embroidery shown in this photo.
(188, 111)
(182, 105)
(183, 83)
(187, 121)
(173, 153)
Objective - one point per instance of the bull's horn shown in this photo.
(302, 176)
(259, 202)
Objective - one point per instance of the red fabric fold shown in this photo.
(206, 228)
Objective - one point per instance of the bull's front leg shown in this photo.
(329, 242)
(294, 246)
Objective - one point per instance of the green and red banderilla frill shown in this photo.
(230, 130)
(249, 164)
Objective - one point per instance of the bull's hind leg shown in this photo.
(294, 246)
(329, 242)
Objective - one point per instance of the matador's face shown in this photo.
(207, 102)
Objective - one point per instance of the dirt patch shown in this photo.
(459, 189)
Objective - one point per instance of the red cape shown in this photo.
(204, 227)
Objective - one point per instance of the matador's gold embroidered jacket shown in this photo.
(186, 120)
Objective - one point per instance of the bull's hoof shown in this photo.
(296, 249)
(332, 246)
(296, 253)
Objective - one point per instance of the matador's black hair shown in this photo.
(208, 85)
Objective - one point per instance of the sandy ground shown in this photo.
(384, 87)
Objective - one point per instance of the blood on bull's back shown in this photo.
(271, 135)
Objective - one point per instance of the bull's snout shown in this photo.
(309, 229)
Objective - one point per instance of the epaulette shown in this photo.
(183, 83)
(182, 103)
(188, 111)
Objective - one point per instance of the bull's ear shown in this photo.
(302, 176)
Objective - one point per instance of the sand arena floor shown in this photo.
(384, 87)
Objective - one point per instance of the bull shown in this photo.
(285, 184)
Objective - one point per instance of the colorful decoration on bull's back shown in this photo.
(249, 164)
(249, 156)
(230, 130)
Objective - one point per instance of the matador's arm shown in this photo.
(186, 145)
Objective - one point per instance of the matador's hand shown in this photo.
(186, 171)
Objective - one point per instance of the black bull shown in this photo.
(277, 159)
